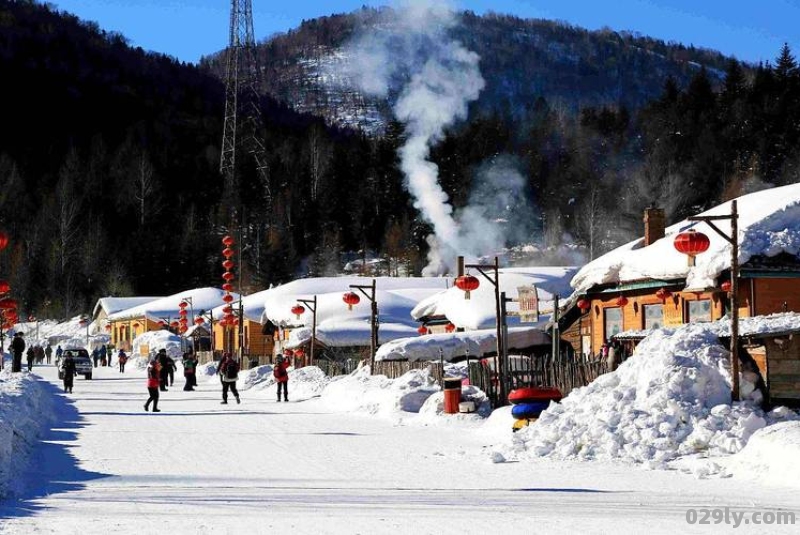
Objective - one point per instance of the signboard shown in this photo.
(528, 304)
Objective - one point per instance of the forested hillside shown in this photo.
(109, 157)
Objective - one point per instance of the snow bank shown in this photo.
(304, 383)
(433, 408)
(671, 399)
(770, 455)
(25, 409)
(151, 342)
(377, 394)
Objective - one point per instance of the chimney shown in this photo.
(654, 224)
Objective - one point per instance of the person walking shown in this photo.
(163, 361)
(122, 358)
(153, 383)
(189, 370)
(95, 356)
(48, 353)
(282, 377)
(17, 347)
(105, 356)
(68, 372)
(229, 373)
(171, 369)
(38, 354)
(30, 355)
(59, 353)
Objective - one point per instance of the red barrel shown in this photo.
(452, 394)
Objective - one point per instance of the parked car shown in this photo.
(83, 363)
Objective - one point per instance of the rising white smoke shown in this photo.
(434, 78)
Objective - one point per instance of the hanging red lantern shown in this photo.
(228, 264)
(222, 322)
(691, 243)
(351, 298)
(228, 287)
(162, 323)
(227, 309)
(298, 310)
(182, 312)
(183, 304)
(108, 326)
(183, 320)
(8, 303)
(467, 283)
(198, 321)
(663, 294)
(228, 241)
(449, 328)
(3, 240)
(4, 287)
(174, 324)
(135, 324)
(584, 304)
(622, 301)
(422, 330)
(227, 252)
(228, 276)
(726, 286)
(227, 298)
(299, 352)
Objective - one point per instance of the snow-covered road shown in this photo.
(267, 467)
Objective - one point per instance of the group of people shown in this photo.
(101, 355)
(161, 369)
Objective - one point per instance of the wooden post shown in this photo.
(734, 301)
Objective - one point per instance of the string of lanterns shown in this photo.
(228, 318)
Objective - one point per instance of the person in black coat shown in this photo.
(163, 361)
(17, 347)
(69, 372)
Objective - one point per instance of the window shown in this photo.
(653, 316)
(613, 321)
(698, 311)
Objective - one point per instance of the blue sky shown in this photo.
(751, 30)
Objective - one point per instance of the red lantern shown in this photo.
(351, 299)
(228, 276)
(108, 326)
(298, 310)
(299, 352)
(222, 322)
(8, 303)
(183, 304)
(183, 321)
(182, 312)
(725, 286)
(228, 287)
(663, 294)
(4, 287)
(422, 330)
(228, 264)
(174, 324)
(467, 283)
(584, 304)
(227, 298)
(622, 301)
(449, 328)
(227, 309)
(162, 323)
(3, 240)
(691, 243)
(135, 324)
(227, 252)
(198, 321)
(228, 241)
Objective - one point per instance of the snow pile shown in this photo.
(377, 394)
(149, 343)
(304, 383)
(671, 399)
(25, 409)
(433, 408)
(769, 455)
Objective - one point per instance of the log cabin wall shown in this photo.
(783, 368)
(772, 293)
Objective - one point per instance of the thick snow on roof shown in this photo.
(393, 295)
(769, 224)
(455, 345)
(479, 310)
(252, 305)
(772, 324)
(117, 304)
(167, 307)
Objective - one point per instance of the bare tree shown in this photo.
(143, 184)
(319, 156)
(592, 220)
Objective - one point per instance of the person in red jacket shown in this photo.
(153, 382)
(282, 376)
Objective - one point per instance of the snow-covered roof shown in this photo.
(167, 307)
(479, 310)
(112, 305)
(455, 345)
(755, 326)
(769, 224)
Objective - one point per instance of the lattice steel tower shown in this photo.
(243, 123)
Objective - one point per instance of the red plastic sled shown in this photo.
(532, 394)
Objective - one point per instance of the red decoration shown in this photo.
(422, 330)
(227, 252)
(622, 301)
(183, 321)
(8, 303)
(663, 294)
(228, 287)
(227, 309)
(228, 241)
(182, 312)
(351, 299)
(449, 328)
(135, 324)
(467, 283)
(183, 304)
(4, 287)
(108, 326)
(174, 324)
(584, 304)
(726, 286)
(691, 243)
(299, 352)
(228, 276)
(227, 298)
(198, 321)
(228, 264)
(298, 310)
(3, 240)
(162, 323)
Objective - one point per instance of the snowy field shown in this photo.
(328, 464)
